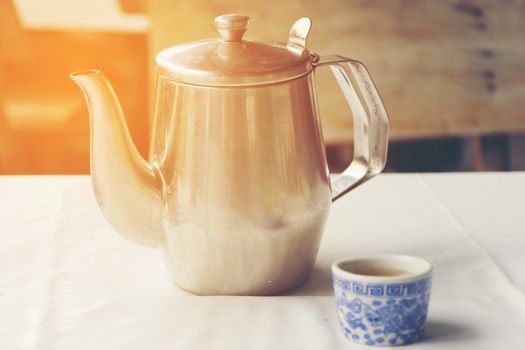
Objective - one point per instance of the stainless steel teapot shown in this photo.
(237, 188)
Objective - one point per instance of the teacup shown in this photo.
(382, 300)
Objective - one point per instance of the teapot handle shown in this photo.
(370, 123)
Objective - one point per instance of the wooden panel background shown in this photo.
(443, 68)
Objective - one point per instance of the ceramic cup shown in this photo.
(382, 300)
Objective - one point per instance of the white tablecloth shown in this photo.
(67, 281)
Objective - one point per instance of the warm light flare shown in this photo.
(44, 125)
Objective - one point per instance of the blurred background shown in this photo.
(451, 73)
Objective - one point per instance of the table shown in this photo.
(67, 281)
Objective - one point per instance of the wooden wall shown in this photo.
(444, 68)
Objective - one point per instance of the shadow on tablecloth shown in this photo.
(442, 331)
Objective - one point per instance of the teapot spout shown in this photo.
(127, 188)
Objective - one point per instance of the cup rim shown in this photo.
(416, 268)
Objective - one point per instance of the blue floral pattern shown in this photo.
(373, 318)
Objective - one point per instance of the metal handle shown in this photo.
(370, 123)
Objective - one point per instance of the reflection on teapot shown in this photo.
(237, 189)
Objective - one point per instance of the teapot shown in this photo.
(236, 190)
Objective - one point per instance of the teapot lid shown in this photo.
(234, 61)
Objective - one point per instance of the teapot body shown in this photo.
(246, 189)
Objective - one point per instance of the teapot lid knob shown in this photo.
(232, 26)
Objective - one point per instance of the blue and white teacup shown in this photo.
(382, 300)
